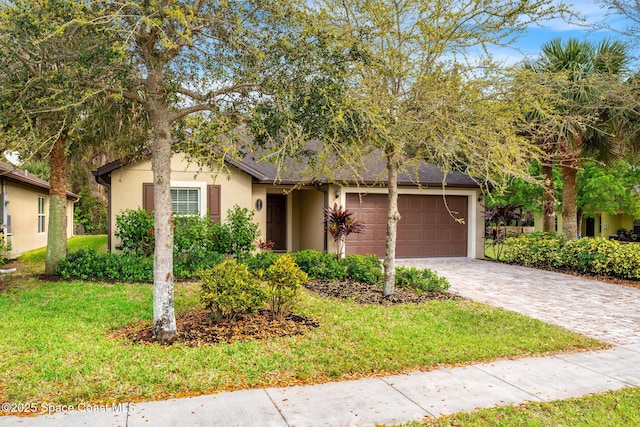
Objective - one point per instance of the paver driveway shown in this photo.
(601, 310)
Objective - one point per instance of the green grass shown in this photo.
(98, 243)
(619, 408)
(55, 344)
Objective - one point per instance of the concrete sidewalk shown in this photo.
(601, 310)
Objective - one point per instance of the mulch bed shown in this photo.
(197, 329)
(364, 293)
(609, 279)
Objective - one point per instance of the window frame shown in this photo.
(42, 216)
(202, 196)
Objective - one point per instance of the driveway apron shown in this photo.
(605, 311)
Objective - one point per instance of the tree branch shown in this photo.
(208, 97)
(131, 96)
(189, 110)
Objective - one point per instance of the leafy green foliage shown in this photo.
(587, 255)
(363, 268)
(320, 265)
(134, 228)
(424, 280)
(536, 249)
(625, 262)
(260, 261)
(230, 289)
(583, 83)
(284, 279)
(194, 247)
(91, 212)
(593, 256)
(4, 248)
(194, 240)
(87, 264)
(609, 188)
(237, 235)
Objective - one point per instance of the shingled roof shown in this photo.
(373, 173)
(13, 174)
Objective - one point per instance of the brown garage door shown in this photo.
(425, 230)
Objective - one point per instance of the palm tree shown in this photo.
(581, 123)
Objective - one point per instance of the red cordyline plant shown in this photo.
(340, 223)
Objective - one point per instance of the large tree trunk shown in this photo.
(57, 233)
(164, 320)
(569, 198)
(393, 216)
(548, 200)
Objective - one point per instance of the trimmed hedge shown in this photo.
(87, 264)
(320, 265)
(366, 269)
(535, 250)
(597, 256)
(363, 268)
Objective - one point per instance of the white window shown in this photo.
(41, 215)
(185, 201)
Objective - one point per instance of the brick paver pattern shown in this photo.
(601, 310)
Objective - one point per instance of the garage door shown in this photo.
(425, 230)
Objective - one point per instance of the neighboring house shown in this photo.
(289, 211)
(603, 224)
(600, 224)
(24, 210)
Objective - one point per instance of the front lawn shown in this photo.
(57, 346)
(619, 408)
(95, 242)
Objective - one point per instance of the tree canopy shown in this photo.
(48, 53)
(587, 105)
(411, 92)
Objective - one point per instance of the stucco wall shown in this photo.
(23, 209)
(311, 219)
(126, 186)
(537, 221)
(612, 223)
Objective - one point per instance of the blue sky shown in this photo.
(530, 42)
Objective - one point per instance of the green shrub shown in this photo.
(90, 212)
(284, 279)
(421, 280)
(134, 228)
(592, 256)
(194, 244)
(236, 236)
(320, 265)
(229, 289)
(4, 248)
(189, 266)
(194, 247)
(87, 264)
(363, 268)
(536, 249)
(625, 262)
(260, 261)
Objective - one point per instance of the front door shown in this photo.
(277, 220)
(591, 227)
